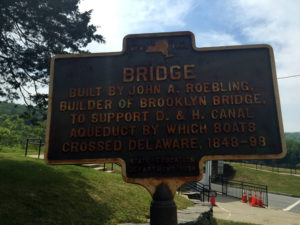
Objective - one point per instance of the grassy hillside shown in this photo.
(32, 192)
(276, 182)
(31, 115)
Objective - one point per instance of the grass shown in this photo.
(276, 182)
(32, 192)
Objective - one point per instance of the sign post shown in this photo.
(162, 107)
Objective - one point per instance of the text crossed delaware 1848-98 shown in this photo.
(162, 105)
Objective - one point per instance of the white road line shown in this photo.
(292, 206)
(229, 213)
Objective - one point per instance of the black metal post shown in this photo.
(242, 189)
(208, 195)
(163, 210)
(26, 148)
(223, 192)
(267, 195)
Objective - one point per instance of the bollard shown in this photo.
(163, 210)
(213, 200)
(250, 196)
(244, 197)
(254, 200)
(260, 201)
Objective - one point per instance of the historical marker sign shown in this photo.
(162, 106)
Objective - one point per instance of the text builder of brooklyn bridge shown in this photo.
(162, 105)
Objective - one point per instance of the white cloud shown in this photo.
(273, 22)
(213, 38)
(119, 18)
(278, 24)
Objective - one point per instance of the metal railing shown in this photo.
(276, 168)
(34, 141)
(236, 188)
(199, 191)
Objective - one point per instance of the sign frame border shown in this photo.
(173, 182)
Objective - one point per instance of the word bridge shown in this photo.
(162, 106)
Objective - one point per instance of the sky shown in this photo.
(214, 23)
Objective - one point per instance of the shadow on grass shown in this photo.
(32, 192)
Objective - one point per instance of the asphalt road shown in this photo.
(276, 201)
(230, 208)
(285, 203)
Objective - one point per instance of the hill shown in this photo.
(278, 183)
(11, 108)
(293, 135)
(31, 115)
(32, 192)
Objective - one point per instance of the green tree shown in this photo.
(32, 31)
(293, 154)
(13, 130)
(5, 136)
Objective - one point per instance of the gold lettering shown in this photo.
(128, 74)
(188, 72)
(141, 72)
(66, 147)
(177, 74)
(63, 106)
(247, 99)
(72, 92)
(159, 73)
(234, 127)
(164, 74)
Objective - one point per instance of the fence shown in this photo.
(33, 141)
(280, 168)
(235, 189)
(198, 191)
(105, 167)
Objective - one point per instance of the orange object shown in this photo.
(250, 196)
(260, 201)
(244, 197)
(213, 200)
(253, 200)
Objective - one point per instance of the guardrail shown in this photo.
(236, 188)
